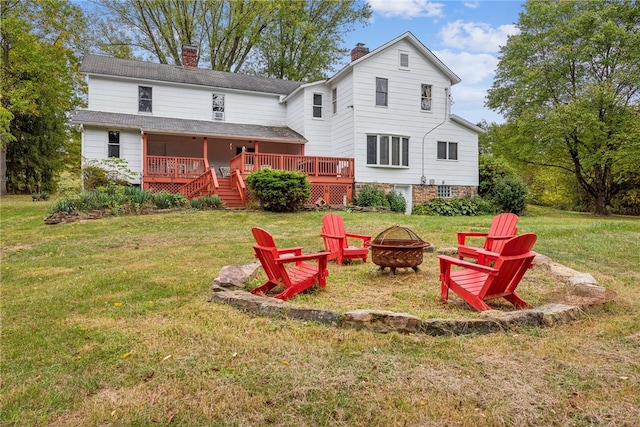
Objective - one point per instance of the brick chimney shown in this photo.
(359, 51)
(189, 56)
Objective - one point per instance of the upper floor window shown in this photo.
(425, 97)
(144, 99)
(218, 106)
(387, 150)
(113, 143)
(382, 91)
(317, 105)
(403, 60)
(334, 101)
(447, 150)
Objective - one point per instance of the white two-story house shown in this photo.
(383, 120)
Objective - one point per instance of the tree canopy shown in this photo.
(289, 39)
(569, 86)
(40, 86)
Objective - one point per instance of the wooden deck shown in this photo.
(331, 178)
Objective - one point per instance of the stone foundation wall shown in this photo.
(422, 193)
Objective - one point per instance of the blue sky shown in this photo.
(465, 35)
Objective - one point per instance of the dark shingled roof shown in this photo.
(189, 127)
(108, 66)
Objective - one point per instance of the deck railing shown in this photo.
(341, 167)
(176, 167)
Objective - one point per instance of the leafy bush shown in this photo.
(166, 200)
(279, 191)
(102, 173)
(37, 196)
(455, 207)
(207, 202)
(371, 196)
(397, 203)
(491, 171)
(510, 195)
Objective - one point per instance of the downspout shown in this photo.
(423, 178)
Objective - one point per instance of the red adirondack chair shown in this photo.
(503, 227)
(336, 240)
(294, 279)
(476, 283)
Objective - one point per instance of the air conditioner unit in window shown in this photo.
(218, 115)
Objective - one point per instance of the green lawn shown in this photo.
(106, 322)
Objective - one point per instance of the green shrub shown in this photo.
(105, 172)
(371, 196)
(279, 191)
(207, 202)
(454, 207)
(491, 171)
(397, 203)
(510, 195)
(166, 200)
(37, 196)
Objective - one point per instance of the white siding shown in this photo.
(317, 130)
(185, 102)
(342, 123)
(404, 117)
(295, 112)
(94, 147)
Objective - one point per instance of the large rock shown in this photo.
(235, 276)
(381, 321)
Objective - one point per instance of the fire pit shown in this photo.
(397, 247)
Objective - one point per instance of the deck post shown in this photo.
(205, 153)
(145, 167)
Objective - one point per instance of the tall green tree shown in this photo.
(305, 37)
(569, 86)
(291, 39)
(40, 86)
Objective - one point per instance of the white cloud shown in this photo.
(472, 4)
(407, 9)
(476, 36)
(476, 70)
(472, 68)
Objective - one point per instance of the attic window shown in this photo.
(404, 60)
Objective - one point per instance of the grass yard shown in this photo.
(106, 322)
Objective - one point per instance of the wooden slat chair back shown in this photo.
(476, 283)
(503, 227)
(336, 240)
(299, 276)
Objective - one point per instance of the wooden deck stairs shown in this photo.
(229, 193)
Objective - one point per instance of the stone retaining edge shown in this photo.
(592, 296)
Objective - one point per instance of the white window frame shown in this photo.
(334, 100)
(426, 97)
(316, 107)
(451, 151)
(145, 103)
(218, 106)
(114, 145)
(389, 150)
(379, 81)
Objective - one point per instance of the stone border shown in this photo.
(584, 289)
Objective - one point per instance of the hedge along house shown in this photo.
(382, 120)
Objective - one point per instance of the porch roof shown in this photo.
(168, 125)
